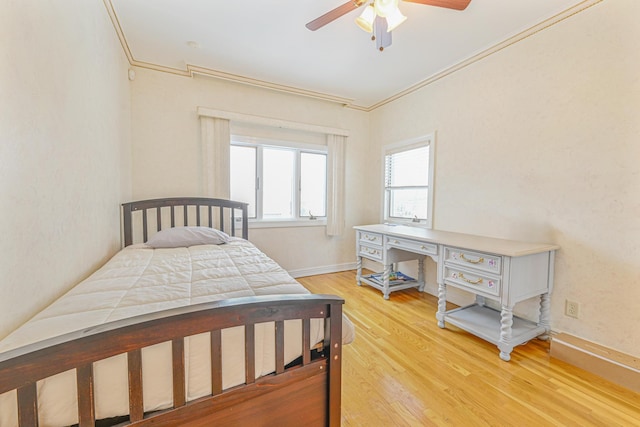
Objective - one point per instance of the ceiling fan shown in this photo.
(380, 17)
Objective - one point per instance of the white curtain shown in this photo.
(335, 184)
(216, 153)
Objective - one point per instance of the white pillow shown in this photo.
(179, 237)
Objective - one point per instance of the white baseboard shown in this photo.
(612, 365)
(303, 272)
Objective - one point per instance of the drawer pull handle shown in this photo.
(396, 242)
(370, 238)
(472, 261)
(371, 251)
(423, 247)
(472, 282)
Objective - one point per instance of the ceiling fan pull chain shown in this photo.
(382, 36)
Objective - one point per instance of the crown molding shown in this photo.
(192, 70)
(267, 85)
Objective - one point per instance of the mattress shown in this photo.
(140, 280)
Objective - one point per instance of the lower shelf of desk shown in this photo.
(392, 287)
(485, 322)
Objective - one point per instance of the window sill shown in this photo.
(422, 224)
(288, 223)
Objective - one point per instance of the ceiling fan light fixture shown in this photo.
(394, 19)
(366, 18)
(385, 7)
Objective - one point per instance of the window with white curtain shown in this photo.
(283, 182)
(408, 181)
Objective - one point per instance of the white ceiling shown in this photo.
(266, 40)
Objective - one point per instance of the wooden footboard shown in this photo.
(307, 393)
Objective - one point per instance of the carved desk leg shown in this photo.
(442, 304)
(385, 280)
(504, 344)
(359, 271)
(545, 316)
(421, 274)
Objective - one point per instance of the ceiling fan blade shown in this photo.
(334, 14)
(449, 4)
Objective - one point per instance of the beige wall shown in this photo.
(539, 142)
(64, 150)
(167, 154)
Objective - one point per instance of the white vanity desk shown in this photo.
(504, 271)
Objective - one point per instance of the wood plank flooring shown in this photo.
(402, 370)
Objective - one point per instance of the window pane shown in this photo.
(408, 203)
(278, 183)
(408, 168)
(407, 183)
(313, 184)
(243, 176)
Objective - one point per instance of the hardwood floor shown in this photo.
(402, 370)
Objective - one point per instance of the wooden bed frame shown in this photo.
(305, 392)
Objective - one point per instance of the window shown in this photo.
(281, 183)
(408, 181)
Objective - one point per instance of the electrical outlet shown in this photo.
(572, 308)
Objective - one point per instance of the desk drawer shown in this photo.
(371, 239)
(371, 252)
(471, 280)
(415, 246)
(474, 260)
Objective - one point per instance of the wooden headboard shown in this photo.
(182, 211)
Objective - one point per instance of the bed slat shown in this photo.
(250, 353)
(136, 405)
(177, 346)
(233, 222)
(221, 219)
(86, 403)
(158, 219)
(144, 225)
(28, 405)
(306, 341)
(216, 362)
(198, 215)
(279, 346)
